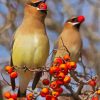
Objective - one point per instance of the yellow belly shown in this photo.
(30, 52)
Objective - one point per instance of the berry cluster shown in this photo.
(60, 76)
(59, 73)
(11, 71)
(10, 96)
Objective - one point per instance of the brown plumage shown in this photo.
(70, 39)
(30, 46)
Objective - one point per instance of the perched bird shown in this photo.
(69, 40)
(30, 47)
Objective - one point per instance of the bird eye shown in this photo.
(74, 20)
(35, 4)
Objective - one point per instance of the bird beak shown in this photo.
(41, 9)
(76, 23)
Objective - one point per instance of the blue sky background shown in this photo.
(86, 11)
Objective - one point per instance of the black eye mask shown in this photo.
(35, 4)
(72, 20)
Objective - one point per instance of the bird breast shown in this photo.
(72, 41)
(30, 50)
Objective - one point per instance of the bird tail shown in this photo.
(19, 94)
(36, 79)
(24, 79)
(12, 80)
(13, 83)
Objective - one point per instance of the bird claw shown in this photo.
(25, 68)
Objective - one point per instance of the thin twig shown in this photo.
(10, 84)
(45, 69)
(1, 96)
(84, 67)
(5, 80)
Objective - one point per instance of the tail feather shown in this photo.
(13, 83)
(19, 94)
(24, 79)
(12, 79)
(36, 79)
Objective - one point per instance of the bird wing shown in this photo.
(11, 64)
(55, 48)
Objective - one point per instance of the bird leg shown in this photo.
(25, 68)
(19, 94)
(36, 79)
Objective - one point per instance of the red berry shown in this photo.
(54, 70)
(44, 92)
(58, 61)
(13, 75)
(66, 57)
(45, 82)
(60, 90)
(30, 96)
(67, 79)
(54, 85)
(7, 95)
(80, 19)
(95, 98)
(10, 99)
(48, 97)
(59, 82)
(54, 98)
(92, 83)
(71, 65)
(55, 93)
(14, 96)
(98, 92)
(61, 75)
(42, 6)
(63, 68)
(9, 69)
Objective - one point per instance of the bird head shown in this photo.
(37, 8)
(76, 21)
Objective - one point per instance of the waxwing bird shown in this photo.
(69, 40)
(30, 47)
